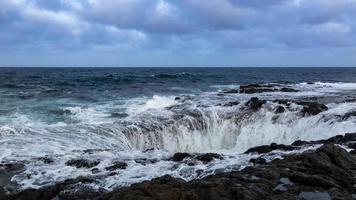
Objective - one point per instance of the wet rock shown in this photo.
(145, 161)
(256, 88)
(288, 90)
(178, 157)
(95, 171)
(82, 163)
(312, 108)
(255, 103)
(279, 109)
(208, 157)
(117, 165)
(268, 148)
(258, 160)
(311, 180)
(348, 115)
(7, 171)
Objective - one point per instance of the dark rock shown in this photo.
(312, 108)
(311, 180)
(207, 157)
(82, 163)
(95, 170)
(116, 165)
(258, 160)
(145, 161)
(256, 88)
(348, 115)
(255, 103)
(279, 109)
(178, 157)
(268, 148)
(288, 90)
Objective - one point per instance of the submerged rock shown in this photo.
(82, 163)
(116, 165)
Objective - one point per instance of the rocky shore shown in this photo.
(326, 173)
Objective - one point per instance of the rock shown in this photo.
(178, 157)
(116, 165)
(312, 108)
(207, 157)
(256, 88)
(268, 148)
(348, 115)
(145, 161)
(279, 109)
(288, 90)
(255, 103)
(311, 180)
(82, 163)
(258, 160)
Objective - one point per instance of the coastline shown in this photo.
(327, 172)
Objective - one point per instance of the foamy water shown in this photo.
(192, 123)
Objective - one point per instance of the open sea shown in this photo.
(142, 116)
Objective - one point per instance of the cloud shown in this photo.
(163, 27)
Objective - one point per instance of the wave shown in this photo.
(157, 127)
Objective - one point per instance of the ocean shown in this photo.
(142, 116)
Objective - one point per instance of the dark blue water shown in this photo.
(96, 84)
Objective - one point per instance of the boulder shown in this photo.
(255, 103)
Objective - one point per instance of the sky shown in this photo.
(177, 33)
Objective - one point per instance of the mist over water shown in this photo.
(132, 114)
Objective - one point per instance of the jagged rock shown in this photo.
(255, 103)
(178, 157)
(116, 165)
(312, 108)
(207, 157)
(82, 163)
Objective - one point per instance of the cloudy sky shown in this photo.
(177, 33)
